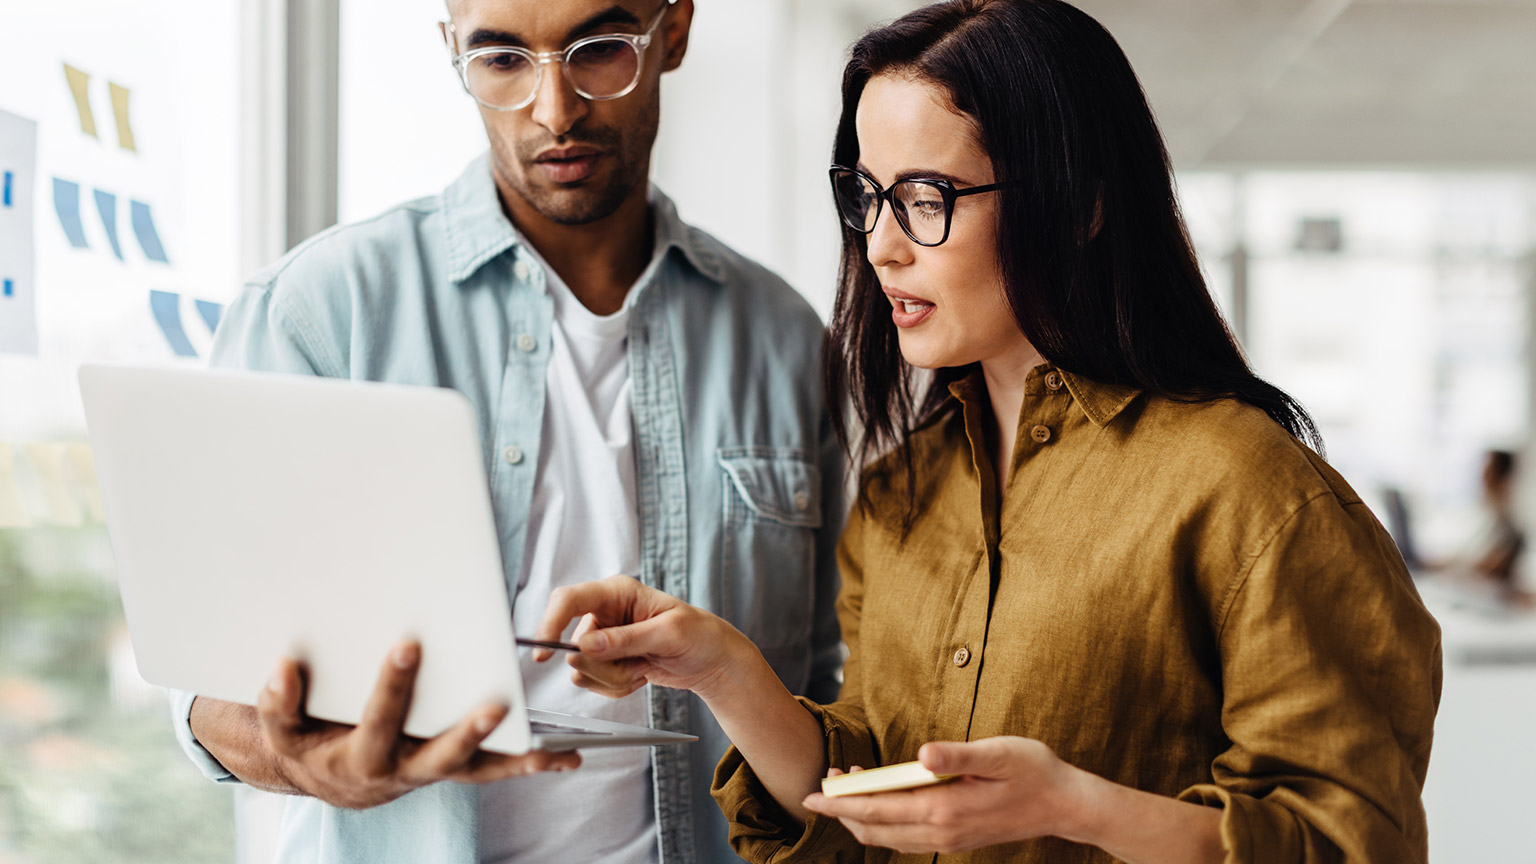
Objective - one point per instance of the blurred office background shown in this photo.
(1359, 177)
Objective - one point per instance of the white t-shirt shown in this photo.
(584, 524)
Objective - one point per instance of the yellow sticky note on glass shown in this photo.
(120, 111)
(80, 86)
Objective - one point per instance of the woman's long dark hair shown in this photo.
(1096, 262)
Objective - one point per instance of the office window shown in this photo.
(119, 239)
(1393, 305)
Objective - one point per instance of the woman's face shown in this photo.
(947, 301)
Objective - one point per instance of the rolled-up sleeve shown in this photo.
(760, 831)
(1331, 671)
(181, 722)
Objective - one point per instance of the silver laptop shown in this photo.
(255, 516)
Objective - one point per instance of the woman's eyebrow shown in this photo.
(930, 174)
(915, 174)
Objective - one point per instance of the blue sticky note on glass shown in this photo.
(144, 229)
(66, 202)
(106, 206)
(211, 313)
(166, 308)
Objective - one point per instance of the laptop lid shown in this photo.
(255, 516)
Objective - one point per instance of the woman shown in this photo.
(1097, 571)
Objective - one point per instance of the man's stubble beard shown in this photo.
(584, 204)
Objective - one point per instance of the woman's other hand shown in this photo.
(632, 635)
(1009, 789)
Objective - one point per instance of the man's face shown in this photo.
(572, 160)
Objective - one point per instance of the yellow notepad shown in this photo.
(904, 775)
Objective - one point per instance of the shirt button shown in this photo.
(962, 656)
(526, 343)
(520, 269)
(1041, 434)
(1053, 380)
(802, 501)
(513, 454)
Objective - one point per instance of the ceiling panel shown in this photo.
(1391, 83)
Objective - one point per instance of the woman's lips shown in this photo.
(910, 313)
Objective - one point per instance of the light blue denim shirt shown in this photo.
(740, 479)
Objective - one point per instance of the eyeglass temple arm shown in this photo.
(976, 190)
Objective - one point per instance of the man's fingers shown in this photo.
(487, 767)
(378, 733)
(280, 707)
(451, 752)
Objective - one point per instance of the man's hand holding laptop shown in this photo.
(359, 766)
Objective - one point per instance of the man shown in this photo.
(648, 405)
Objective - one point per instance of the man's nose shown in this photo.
(557, 106)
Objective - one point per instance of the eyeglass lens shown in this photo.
(919, 206)
(598, 69)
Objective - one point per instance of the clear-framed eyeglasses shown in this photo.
(504, 78)
(924, 208)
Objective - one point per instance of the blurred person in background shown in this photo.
(1490, 565)
(649, 403)
(1095, 573)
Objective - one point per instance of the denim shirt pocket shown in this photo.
(772, 500)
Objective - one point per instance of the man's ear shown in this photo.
(674, 32)
(449, 38)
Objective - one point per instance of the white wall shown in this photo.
(745, 139)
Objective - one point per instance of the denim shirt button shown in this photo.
(526, 343)
(520, 270)
(513, 454)
(802, 501)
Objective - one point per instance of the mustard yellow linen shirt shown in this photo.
(1179, 597)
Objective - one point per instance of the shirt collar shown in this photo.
(478, 231)
(1102, 403)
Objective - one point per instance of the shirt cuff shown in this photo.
(760, 830)
(181, 722)
(1251, 831)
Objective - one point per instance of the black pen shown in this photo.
(540, 643)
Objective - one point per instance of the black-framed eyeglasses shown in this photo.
(924, 208)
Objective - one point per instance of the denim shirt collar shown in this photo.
(477, 231)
